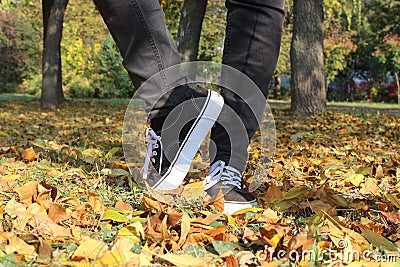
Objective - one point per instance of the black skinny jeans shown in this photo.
(252, 43)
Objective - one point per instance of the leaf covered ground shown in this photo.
(331, 197)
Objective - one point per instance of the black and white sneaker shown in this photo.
(229, 180)
(172, 149)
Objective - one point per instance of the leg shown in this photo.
(252, 43)
(139, 30)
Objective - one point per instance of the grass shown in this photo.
(361, 105)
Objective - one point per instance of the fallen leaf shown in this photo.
(268, 216)
(122, 205)
(370, 187)
(185, 260)
(29, 154)
(113, 216)
(378, 240)
(231, 261)
(57, 213)
(28, 192)
(185, 228)
(19, 246)
(90, 249)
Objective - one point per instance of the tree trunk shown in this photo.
(277, 87)
(396, 74)
(306, 58)
(189, 29)
(53, 16)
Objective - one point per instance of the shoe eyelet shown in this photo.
(155, 145)
(154, 153)
(153, 160)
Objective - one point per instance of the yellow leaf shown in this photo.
(185, 228)
(92, 153)
(122, 245)
(14, 208)
(272, 264)
(90, 249)
(21, 247)
(193, 190)
(185, 260)
(113, 216)
(111, 259)
(127, 233)
(245, 210)
(355, 179)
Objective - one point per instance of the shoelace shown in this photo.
(228, 175)
(152, 143)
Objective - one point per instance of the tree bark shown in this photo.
(396, 74)
(189, 30)
(277, 87)
(306, 58)
(53, 16)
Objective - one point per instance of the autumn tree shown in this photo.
(53, 16)
(306, 58)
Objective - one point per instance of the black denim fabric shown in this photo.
(253, 36)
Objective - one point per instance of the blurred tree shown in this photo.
(191, 21)
(53, 15)
(306, 58)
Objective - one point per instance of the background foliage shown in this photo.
(361, 48)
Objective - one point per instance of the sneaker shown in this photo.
(170, 152)
(230, 181)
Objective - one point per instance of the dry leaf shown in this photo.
(273, 234)
(185, 260)
(19, 246)
(219, 201)
(28, 192)
(122, 205)
(185, 228)
(273, 193)
(90, 249)
(57, 213)
(379, 172)
(29, 154)
(96, 203)
(231, 261)
(268, 216)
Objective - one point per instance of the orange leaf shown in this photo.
(28, 192)
(122, 205)
(29, 154)
(231, 261)
(273, 234)
(95, 203)
(219, 201)
(58, 213)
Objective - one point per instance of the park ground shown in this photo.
(67, 198)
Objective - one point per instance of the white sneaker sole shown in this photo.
(180, 166)
(232, 207)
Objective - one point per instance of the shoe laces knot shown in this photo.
(153, 143)
(228, 175)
